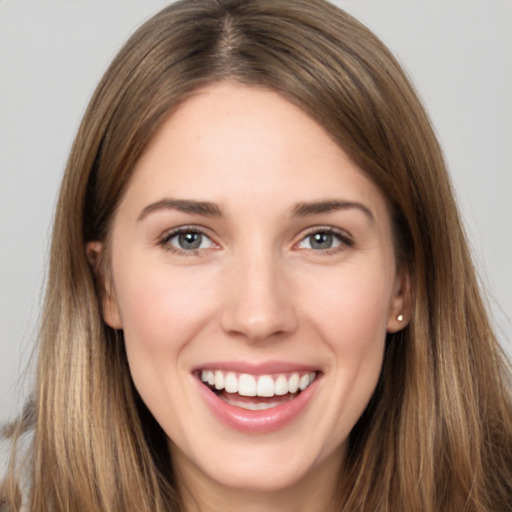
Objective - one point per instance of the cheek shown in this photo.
(161, 312)
(155, 303)
(352, 318)
(352, 308)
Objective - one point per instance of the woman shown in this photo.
(260, 294)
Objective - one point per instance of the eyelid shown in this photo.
(169, 234)
(345, 239)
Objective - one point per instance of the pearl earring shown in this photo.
(400, 318)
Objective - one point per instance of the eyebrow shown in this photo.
(209, 209)
(204, 208)
(304, 209)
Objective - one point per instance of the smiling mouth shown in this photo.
(256, 392)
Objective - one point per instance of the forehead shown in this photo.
(229, 141)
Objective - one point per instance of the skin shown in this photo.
(256, 290)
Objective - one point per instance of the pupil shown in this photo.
(190, 240)
(321, 241)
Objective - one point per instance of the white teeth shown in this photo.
(231, 383)
(265, 385)
(219, 380)
(246, 385)
(281, 386)
(251, 406)
(293, 383)
(304, 382)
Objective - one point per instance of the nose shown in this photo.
(259, 300)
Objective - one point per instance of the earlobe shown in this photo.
(110, 310)
(400, 310)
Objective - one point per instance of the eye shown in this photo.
(186, 240)
(323, 240)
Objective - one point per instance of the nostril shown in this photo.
(258, 326)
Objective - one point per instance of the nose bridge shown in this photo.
(259, 303)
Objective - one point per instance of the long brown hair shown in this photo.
(437, 434)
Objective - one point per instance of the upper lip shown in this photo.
(262, 368)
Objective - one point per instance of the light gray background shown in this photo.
(52, 54)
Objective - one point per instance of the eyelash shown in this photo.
(183, 230)
(345, 241)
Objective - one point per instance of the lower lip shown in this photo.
(258, 422)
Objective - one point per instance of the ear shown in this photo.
(400, 310)
(111, 316)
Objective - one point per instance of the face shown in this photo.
(254, 277)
